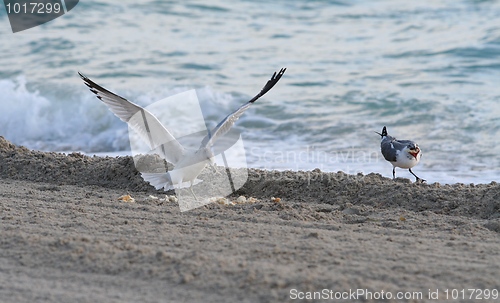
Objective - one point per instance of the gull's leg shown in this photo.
(418, 179)
(178, 192)
(192, 192)
(394, 172)
(214, 168)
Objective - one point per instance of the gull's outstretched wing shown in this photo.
(140, 120)
(225, 125)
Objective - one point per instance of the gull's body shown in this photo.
(400, 153)
(188, 163)
(185, 171)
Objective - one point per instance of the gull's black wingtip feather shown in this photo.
(96, 88)
(82, 75)
(278, 76)
(270, 83)
(86, 80)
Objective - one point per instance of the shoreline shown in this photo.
(67, 237)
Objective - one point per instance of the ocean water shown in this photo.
(428, 71)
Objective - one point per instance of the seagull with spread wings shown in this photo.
(188, 163)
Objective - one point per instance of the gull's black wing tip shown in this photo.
(82, 75)
(98, 90)
(86, 80)
(270, 83)
(281, 72)
(275, 78)
(278, 76)
(91, 84)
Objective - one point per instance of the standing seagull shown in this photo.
(401, 153)
(188, 164)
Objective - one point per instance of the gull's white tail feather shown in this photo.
(162, 180)
(158, 180)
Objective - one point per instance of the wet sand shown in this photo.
(67, 238)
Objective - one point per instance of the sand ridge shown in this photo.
(67, 237)
(482, 201)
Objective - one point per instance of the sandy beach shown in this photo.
(67, 238)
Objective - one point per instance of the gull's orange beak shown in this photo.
(414, 152)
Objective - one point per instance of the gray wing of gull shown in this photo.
(145, 124)
(388, 149)
(225, 125)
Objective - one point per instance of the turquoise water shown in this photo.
(429, 71)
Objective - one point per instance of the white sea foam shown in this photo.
(80, 122)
